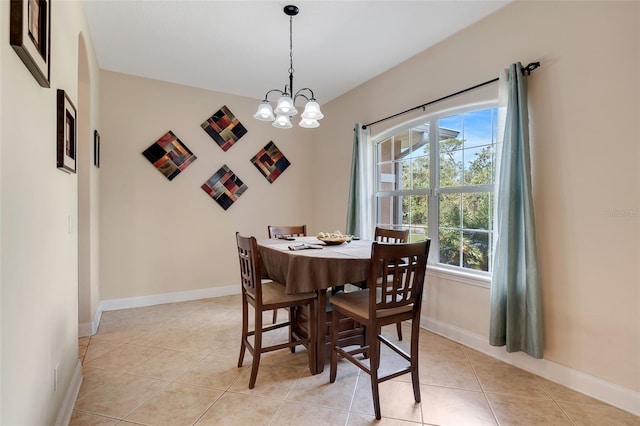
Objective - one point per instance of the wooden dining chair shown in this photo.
(395, 284)
(392, 236)
(389, 236)
(285, 230)
(266, 296)
(290, 230)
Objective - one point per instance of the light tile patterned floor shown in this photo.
(175, 364)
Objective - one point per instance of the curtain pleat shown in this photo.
(353, 208)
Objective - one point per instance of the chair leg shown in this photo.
(275, 317)
(245, 330)
(292, 318)
(311, 336)
(399, 328)
(335, 318)
(415, 375)
(257, 349)
(374, 364)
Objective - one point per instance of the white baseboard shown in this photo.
(616, 395)
(157, 299)
(90, 328)
(66, 410)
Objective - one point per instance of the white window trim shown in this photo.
(474, 278)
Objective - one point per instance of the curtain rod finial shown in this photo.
(532, 66)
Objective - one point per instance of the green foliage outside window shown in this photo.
(465, 196)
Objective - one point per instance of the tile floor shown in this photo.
(175, 364)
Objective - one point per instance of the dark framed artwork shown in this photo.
(270, 161)
(30, 36)
(224, 128)
(96, 148)
(224, 187)
(66, 133)
(169, 155)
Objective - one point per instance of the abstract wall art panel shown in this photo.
(224, 187)
(270, 161)
(169, 155)
(224, 128)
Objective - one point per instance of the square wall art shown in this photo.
(224, 128)
(224, 187)
(270, 161)
(169, 155)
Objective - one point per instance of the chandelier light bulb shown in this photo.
(286, 106)
(309, 123)
(282, 122)
(312, 111)
(265, 112)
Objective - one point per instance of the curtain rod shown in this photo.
(532, 66)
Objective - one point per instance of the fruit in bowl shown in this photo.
(333, 238)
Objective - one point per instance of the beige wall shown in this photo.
(39, 253)
(585, 115)
(161, 236)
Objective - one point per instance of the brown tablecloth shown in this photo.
(314, 269)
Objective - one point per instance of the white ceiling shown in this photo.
(242, 47)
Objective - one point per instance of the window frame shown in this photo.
(433, 192)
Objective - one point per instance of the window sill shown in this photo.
(463, 277)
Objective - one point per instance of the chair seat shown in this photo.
(357, 302)
(274, 293)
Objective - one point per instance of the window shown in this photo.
(443, 190)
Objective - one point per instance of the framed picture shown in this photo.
(67, 135)
(30, 36)
(96, 148)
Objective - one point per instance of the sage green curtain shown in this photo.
(359, 208)
(516, 303)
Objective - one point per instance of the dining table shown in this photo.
(304, 264)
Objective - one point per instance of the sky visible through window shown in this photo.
(477, 130)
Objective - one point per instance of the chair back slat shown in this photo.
(397, 273)
(249, 265)
(291, 230)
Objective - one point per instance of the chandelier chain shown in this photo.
(291, 46)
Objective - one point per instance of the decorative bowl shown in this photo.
(334, 241)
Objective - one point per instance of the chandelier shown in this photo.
(285, 108)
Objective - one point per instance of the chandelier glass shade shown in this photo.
(285, 107)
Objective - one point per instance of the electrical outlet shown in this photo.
(55, 377)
